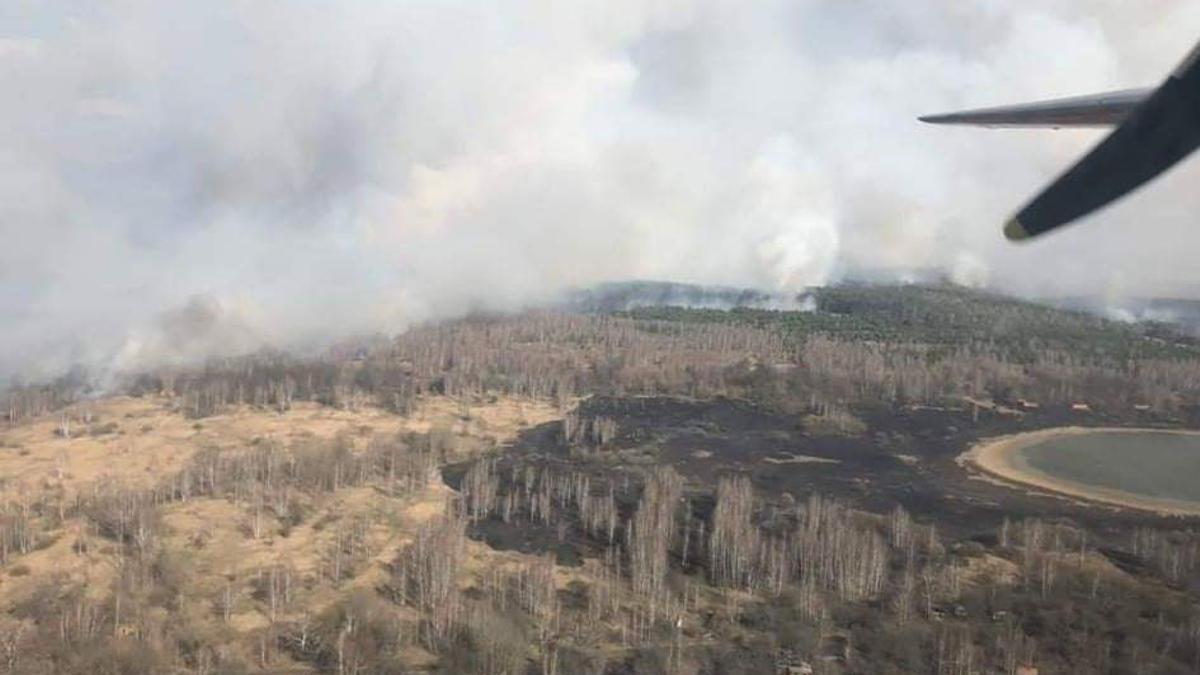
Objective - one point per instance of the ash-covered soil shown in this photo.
(905, 456)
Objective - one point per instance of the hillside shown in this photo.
(950, 316)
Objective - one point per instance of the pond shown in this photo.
(1157, 464)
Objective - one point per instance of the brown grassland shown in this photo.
(135, 442)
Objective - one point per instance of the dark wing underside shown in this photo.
(1155, 136)
(1157, 129)
(1098, 110)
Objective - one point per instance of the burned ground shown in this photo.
(904, 457)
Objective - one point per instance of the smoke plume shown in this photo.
(179, 178)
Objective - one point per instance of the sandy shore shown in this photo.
(1000, 458)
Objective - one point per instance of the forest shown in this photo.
(889, 345)
(620, 529)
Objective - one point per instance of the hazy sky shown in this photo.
(179, 177)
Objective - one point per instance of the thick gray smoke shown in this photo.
(286, 172)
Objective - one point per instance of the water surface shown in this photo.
(1157, 464)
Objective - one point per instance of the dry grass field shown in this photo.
(139, 440)
(211, 546)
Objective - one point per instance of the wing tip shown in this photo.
(1015, 231)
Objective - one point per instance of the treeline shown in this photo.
(861, 346)
(851, 373)
(949, 316)
(558, 356)
(21, 401)
(544, 355)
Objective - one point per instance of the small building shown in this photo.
(1141, 407)
(1081, 407)
(1026, 404)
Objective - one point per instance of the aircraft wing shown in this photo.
(1156, 130)
(1098, 110)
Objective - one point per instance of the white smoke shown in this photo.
(317, 169)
